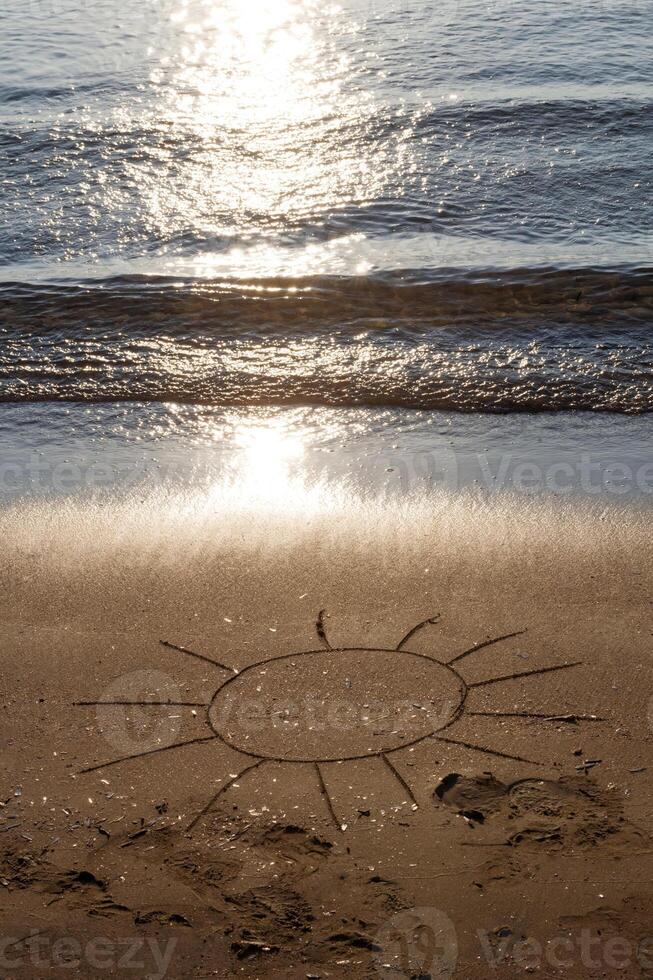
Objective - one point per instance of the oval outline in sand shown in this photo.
(452, 717)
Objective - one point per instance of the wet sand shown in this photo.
(481, 823)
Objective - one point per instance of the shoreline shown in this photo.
(244, 876)
(63, 451)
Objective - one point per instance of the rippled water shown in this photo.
(366, 203)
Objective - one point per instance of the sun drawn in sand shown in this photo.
(341, 704)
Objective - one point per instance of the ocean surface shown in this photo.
(372, 203)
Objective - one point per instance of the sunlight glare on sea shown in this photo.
(269, 81)
(363, 203)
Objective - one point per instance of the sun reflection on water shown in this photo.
(267, 474)
(249, 64)
(268, 450)
(277, 118)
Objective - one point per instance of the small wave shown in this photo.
(613, 115)
(444, 297)
(524, 340)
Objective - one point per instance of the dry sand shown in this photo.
(469, 838)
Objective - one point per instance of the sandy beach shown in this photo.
(326, 578)
(488, 818)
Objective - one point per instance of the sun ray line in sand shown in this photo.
(411, 633)
(481, 646)
(485, 750)
(198, 656)
(399, 778)
(525, 673)
(139, 755)
(223, 789)
(570, 718)
(325, 793)
(321, 629)
(147, 704)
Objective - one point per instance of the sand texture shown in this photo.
(417, 743)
